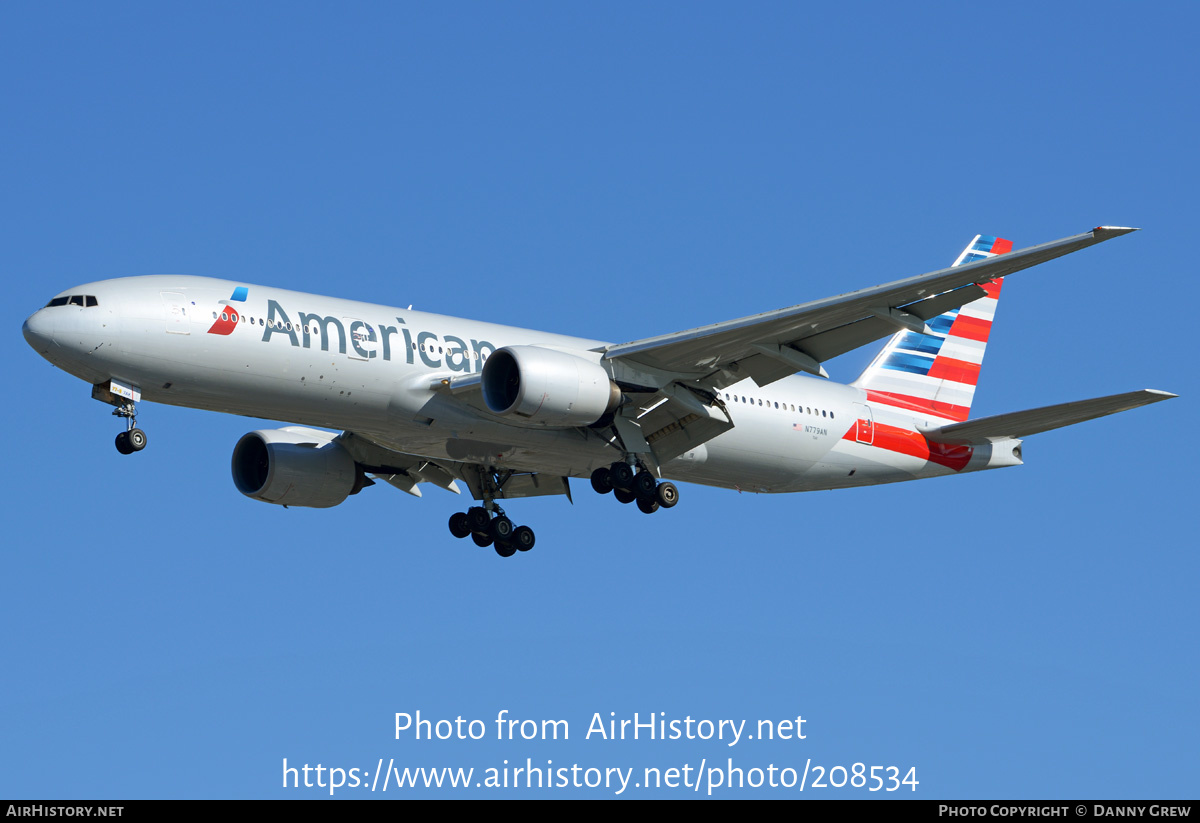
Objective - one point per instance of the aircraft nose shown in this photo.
(39, 331)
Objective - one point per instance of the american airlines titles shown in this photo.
(363, 339)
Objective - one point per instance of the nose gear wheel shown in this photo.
(132, 439)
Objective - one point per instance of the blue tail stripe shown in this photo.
(942, 323)
(913, 363)
(926, 343)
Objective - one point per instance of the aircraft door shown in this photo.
(176, 308)
(361, 339)
(864, 424)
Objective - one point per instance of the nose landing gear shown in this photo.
(132, 439)
(628, 487)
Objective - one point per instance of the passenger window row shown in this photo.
(230, 315)
(784, 406)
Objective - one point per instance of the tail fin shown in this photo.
(934, 372)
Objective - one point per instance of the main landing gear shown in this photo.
(487, 529)
(640, 487)
(132, 439)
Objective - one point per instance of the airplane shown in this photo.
(423, 399)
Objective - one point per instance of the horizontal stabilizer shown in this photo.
(1031, 421)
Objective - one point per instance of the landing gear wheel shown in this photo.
(622, 476)
(666, 495)
(477, 520)
(501, 530)
(137, 440)
(602, 481)
(523, 538)
(505, 549)
(123, 443)
(644, 485)
(481, 540)
(458, 525)
(624, 496)
(647, 506)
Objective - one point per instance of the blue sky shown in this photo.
(615, 172)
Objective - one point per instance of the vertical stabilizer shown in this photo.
(934, 372)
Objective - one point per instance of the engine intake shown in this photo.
(292, 469)
(547, 387)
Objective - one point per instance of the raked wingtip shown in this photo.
(1107, 232)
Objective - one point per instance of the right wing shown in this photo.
(770, 346)
(672, 381)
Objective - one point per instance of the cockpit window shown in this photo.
(85, 300)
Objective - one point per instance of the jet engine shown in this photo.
(294, 468)
(546, 387)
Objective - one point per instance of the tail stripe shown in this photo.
(982, 309)
(936, 371)
(935, 408)
(973, 328)
(964, 348)
(914, 341)
(957, 370)
(911, 363)
(942, 323)
(983, 248)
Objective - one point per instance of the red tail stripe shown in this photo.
(972, 328)
(960, 371)
(919, 404)
(992, 287)
(1001, 246)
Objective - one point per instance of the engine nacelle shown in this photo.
(547, 387)
(293, 468)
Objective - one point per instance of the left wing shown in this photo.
(407, 472)
(770, 346)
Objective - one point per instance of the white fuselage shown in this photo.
(367, 368)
